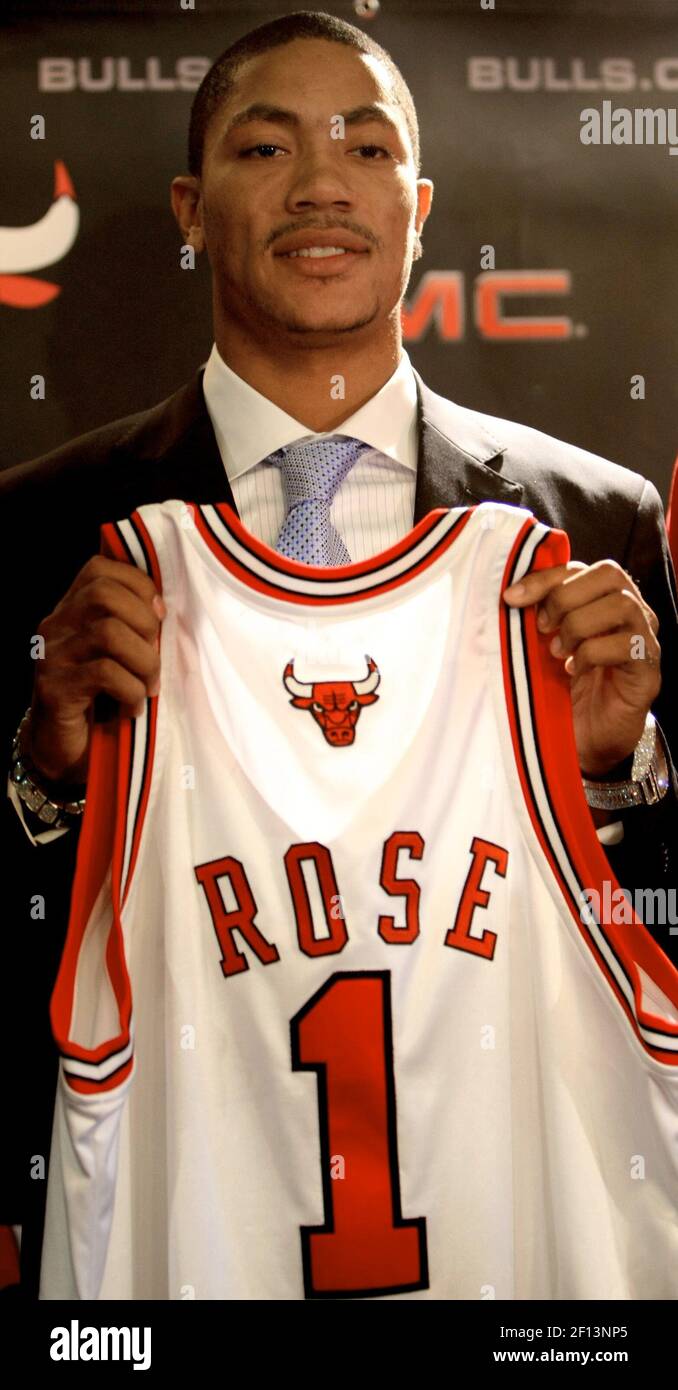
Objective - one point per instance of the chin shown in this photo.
(316, 330)
(331, 323)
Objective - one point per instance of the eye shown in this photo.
(316, 706)
(253, 149)
(243, 154)
(380, 148)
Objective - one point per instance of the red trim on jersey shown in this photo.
(93, 859)
(554, 733)
(102, 844)
(297, 570)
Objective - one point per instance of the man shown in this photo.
(304, 193)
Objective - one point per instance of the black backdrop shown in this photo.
(125, 326)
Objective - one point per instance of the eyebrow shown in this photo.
(262, 111)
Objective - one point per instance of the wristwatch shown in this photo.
(30, 785)
(649, 780)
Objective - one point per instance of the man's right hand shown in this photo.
(101, 637)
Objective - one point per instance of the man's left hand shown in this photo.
(607, 636)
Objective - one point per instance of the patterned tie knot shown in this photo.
(315, 470)
(312, 473)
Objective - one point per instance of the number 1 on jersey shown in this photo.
(365, 1247)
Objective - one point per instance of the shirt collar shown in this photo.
(249, 427)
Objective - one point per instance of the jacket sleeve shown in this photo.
(34, 561)
(34, 828)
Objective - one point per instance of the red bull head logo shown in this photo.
(24, 250)
(335, 705)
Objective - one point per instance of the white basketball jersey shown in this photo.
(351, 1004)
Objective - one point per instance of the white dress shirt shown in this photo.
(374, 506)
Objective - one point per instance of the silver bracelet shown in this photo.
(649, 780)
(25, 777)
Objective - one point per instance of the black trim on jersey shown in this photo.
(128, 792)
(146, 755)
(116, 526)
(514, 689)
(418, 1222)
(333, 578)
(102, 1081)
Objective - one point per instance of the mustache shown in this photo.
(356, 228)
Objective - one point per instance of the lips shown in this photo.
(304, 241)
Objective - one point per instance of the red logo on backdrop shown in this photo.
(335, 705)
(440, 298)
(26, 249)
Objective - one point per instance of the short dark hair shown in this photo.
(219, 82)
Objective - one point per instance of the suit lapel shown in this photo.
(459, 461)
(189, 464)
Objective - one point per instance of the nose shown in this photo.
(340, 736)
(319, 180)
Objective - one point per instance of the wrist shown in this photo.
(56, 803)
(618, 772)
(62, 782)
(645, 783)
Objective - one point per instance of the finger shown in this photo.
(127, 575)
(109, 637)
(66, 679)
(69, 689)
(589, 584)
(103, 597)
(612, 650)
(107, 676)
(650, 615)
(620, 610)
(532, 588)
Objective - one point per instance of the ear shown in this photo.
(186, 199)
(424, 200)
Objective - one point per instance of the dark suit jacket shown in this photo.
(52, 510)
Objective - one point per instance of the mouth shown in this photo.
(319, 260)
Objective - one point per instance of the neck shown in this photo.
(320, 387)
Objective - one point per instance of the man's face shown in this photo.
(269, 178)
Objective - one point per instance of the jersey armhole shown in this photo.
(538, 701)
(117, 793)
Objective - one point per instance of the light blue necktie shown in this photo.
(311, 475)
